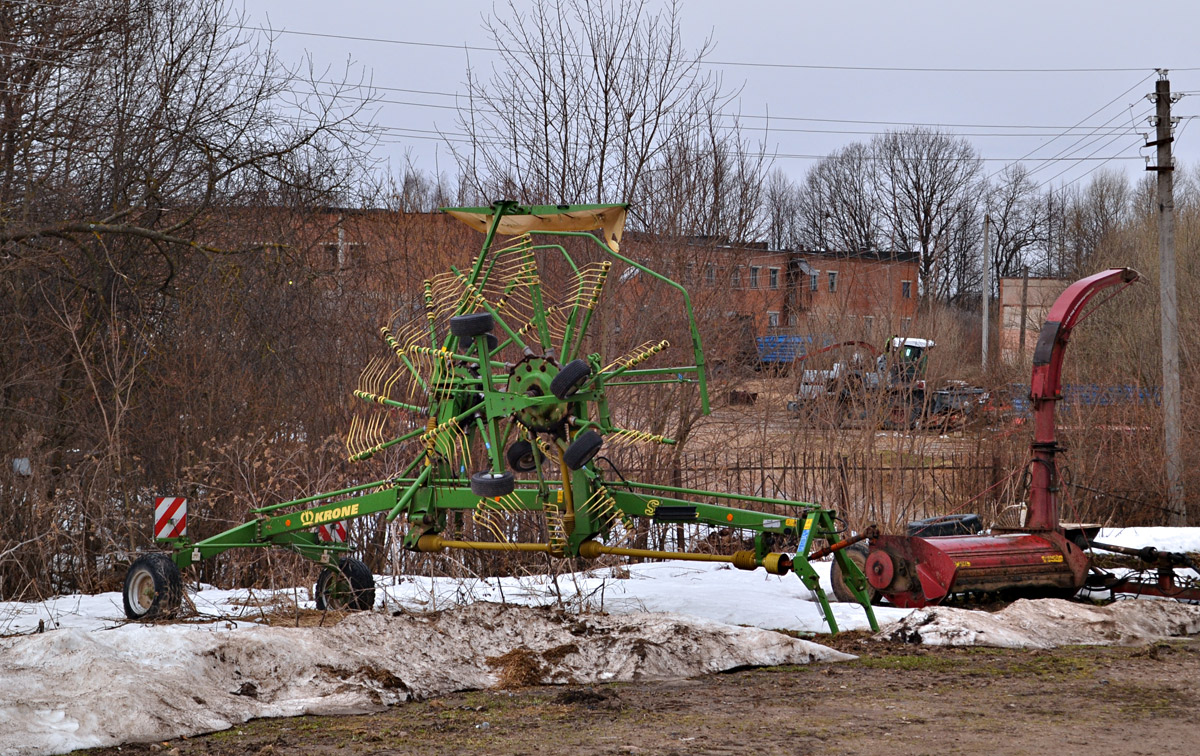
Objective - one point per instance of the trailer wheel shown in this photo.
(570, 378)
(488, 485)
(350, 587)
(153, 588)
(858, 554)
(520, 457)
(471, 325)
(582, 449)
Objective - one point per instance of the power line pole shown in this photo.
(987, 284)
(1024, 315)
(1169, 309)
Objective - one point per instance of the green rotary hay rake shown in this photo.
(504, 414)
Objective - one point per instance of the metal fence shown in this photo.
(863, 487)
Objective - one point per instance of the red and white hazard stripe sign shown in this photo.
(170, 517)
(334, 532)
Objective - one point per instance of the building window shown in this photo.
(754, 276)
(772, 320)
(736, 280)
(773, 278)
(906, 289)
(814, 281)
(342, 255)
(869, 322)
(792, 319)
(833, 280)
(905, 324)
(331, 258)
(710, 274)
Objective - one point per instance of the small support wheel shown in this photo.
(153, 588)
(350, 587)
(470, 326)
(582, 449)
(489, 485)
(520, 457)
(573, 375)
(857, 553)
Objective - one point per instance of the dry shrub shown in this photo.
(519, 668)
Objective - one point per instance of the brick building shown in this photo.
(1037, 295)
(757, 292)
(786, 297)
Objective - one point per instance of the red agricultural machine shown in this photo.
(1042, 557)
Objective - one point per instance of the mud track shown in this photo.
(895, 699)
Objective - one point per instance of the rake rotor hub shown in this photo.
(531, 378)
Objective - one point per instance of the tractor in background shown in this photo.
(888, 388)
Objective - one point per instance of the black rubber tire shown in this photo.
(858, 554)
(582, 449)
(153, 588)
(573, 375)
(489, 485)
(350, 587)
(470, 326)
(946, 525)
(520, 457)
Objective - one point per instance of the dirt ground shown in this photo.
(895, 699)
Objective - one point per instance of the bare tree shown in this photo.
(707, 183)
(1018, 216)
(925, 182)
(1083, 218)
(133, 138)
(603, 102)
(840, 209)
(782, 200)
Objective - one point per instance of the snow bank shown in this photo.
(76, 689)
(1163, 539)
(1047, 623)
(94, 680)
(711, 591)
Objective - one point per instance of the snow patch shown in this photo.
(712, 591)
(1047, 623)
(78, 689)
(1163, 539)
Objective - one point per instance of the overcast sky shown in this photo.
(796, 49)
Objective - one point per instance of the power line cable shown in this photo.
(751, 64)
(769, 129)
(1081, 144)
(1082, 120)
(461, 138)
(1093, 169)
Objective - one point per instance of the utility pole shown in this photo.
(1024, 315)
(1169, 308)
(987, 285)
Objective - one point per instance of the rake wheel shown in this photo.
(496, 371)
